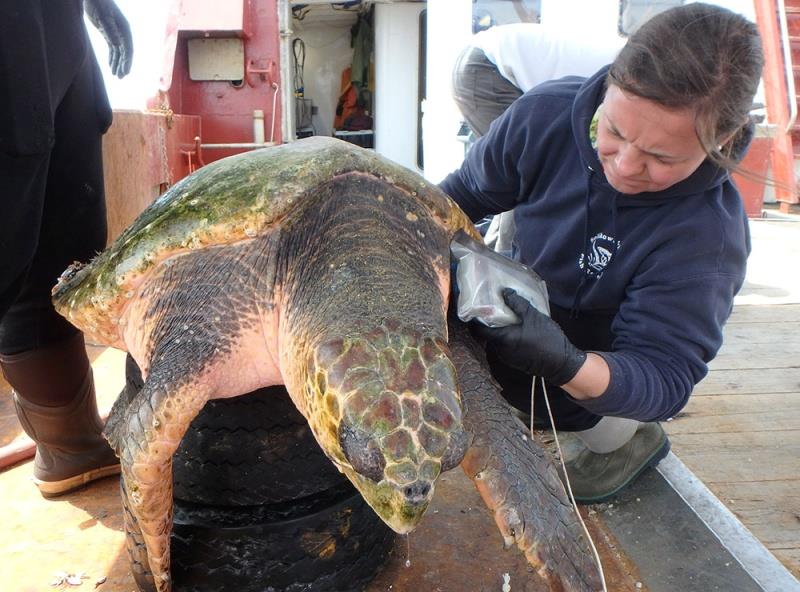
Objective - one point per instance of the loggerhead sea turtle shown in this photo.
(324, 267)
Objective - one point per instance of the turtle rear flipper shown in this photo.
(145, 433)
(516, 479)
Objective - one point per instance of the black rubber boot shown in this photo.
(70, 450)
(596, 478)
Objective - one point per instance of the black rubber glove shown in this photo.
(109, 20)
(536, 346)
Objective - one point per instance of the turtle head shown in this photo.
(389, 415)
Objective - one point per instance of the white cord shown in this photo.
(566, 478)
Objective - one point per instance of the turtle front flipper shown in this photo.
(145, 434)
(516, 479)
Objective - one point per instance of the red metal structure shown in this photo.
(220, 94)
(771, 16)
(236, 96)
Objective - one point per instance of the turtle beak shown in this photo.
(401, 508)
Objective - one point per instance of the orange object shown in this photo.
(348, 101)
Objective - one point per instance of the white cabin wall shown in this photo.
(396, 29)
(602, 16)
(328, 53)
(592, 16)
(449, 31)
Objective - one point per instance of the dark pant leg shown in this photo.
(72, 220)
(567, 414)
(22, 186)
(480, 91)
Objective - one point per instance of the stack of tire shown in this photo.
(259, 508)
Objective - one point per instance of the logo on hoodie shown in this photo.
(601, 250)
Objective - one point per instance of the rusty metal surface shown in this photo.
(226, 107)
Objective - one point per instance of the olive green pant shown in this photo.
(608, 434)
(480, 91)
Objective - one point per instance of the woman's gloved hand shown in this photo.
(536, 346)
(112, 24)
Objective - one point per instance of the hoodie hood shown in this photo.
(588, 99)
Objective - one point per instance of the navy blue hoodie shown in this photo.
(646, 280)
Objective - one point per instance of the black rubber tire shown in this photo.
(328, 542)
(250, 450)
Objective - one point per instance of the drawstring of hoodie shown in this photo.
(576, 300)
(574, 311)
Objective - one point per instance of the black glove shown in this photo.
(536, 346)
(111, 23)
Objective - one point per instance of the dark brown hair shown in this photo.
(701, 57)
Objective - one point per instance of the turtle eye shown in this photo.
(362, 452)
(456, 449)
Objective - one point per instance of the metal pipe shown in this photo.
(275, 88)
(258, 127)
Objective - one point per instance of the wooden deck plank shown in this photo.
(764, 505)
(739, 456)
(714, 414)
(755, 355)
(740, 431)
(752, 313)
(790, 558)
(749, 381)
(765, 332)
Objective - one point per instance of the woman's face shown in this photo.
(644, 146)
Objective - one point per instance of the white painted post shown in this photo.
(449, 31)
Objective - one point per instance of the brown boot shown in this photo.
(70, 450)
